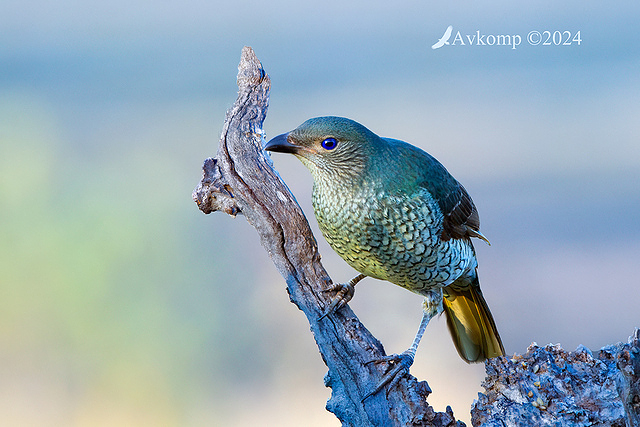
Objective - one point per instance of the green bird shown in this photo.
(393, 212)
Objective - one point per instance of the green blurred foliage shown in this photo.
(105, 289)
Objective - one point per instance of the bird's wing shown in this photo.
(461, 217)
(460, 214)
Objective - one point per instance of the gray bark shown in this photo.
(546, 386)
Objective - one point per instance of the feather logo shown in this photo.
(444, 39)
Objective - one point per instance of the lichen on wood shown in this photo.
(548, 386)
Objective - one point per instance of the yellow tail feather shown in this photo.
(470, 322)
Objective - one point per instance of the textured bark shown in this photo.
(544, 387)
(551, 387)
(241, 179)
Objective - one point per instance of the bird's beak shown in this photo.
(281, 144)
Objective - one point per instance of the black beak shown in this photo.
(280, 144)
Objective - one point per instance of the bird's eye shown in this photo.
(329, 143)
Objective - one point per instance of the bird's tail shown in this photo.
(470, 322)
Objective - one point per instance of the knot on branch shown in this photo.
(213, 193)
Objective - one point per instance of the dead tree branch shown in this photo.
(241, 179)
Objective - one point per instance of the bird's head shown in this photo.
(328, 146)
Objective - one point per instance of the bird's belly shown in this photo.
(395, 240)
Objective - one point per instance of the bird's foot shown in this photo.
(398, 367)
(344, 293)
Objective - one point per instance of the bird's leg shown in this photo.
(344, 293)
(399, 364)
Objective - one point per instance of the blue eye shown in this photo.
(329, 143)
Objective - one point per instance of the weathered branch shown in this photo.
(544, 387)
(241, 179)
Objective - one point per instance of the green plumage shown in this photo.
(393, 212)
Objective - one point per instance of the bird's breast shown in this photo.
(394, 237)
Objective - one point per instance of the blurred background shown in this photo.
(122, 304)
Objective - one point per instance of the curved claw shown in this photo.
(344, 293)
(399, 365)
